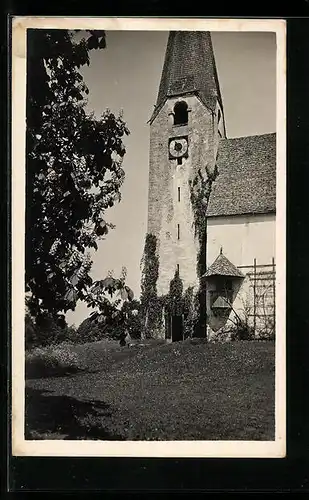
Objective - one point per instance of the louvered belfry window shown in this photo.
(181, 113)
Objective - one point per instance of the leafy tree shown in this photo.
(73, 170)
(109, 293)
(132, 311)
(111, 299)
(112, 324)
(87, 331)
(44, 331)
(30, 332)
(71, 333)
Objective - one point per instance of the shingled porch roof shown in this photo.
(246, 183)
(223, 267)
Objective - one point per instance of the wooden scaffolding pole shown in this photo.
(254, 296)
(274, 290)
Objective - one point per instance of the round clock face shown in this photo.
(178, 147)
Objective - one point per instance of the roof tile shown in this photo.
(246, 182)
(189, 67)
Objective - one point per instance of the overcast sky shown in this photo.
(126, 75)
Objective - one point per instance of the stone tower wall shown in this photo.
(165, 212)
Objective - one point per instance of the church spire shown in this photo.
(189, 67)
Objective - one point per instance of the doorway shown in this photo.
(177, 328)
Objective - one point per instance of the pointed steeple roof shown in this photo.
(223, 267)
(189, 67)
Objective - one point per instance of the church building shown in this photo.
(188, 144)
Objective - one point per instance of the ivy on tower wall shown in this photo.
(193, 305)
(150, 273)
(200, 190)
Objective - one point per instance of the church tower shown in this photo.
(185, 129)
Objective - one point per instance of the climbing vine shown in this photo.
(193, 306)
(174, 299)
(150, 273)
(190, 311)
(200, 190)
(177, 303)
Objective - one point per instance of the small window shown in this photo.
(179, 161)
(178, 231)
(180, 113)
(179, 194)
(225, 289)
(219, 115)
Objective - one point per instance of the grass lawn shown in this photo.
(176, 391)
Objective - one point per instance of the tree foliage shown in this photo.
(107, 296)
(46, 331)
(111, 326)
(73, 170)
(116, 312)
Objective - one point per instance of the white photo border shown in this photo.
(200, 449)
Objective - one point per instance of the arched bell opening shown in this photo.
(181, 113)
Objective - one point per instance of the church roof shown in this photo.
(189, 67)
(246, 183)
(223, 267)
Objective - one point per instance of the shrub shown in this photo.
(90, 331)
(30, 332)
(52, 360)
(242, 330)
(46, 331)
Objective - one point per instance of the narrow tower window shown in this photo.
(219, 123)
(179, 194)
(178, 231)
(180, 113)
